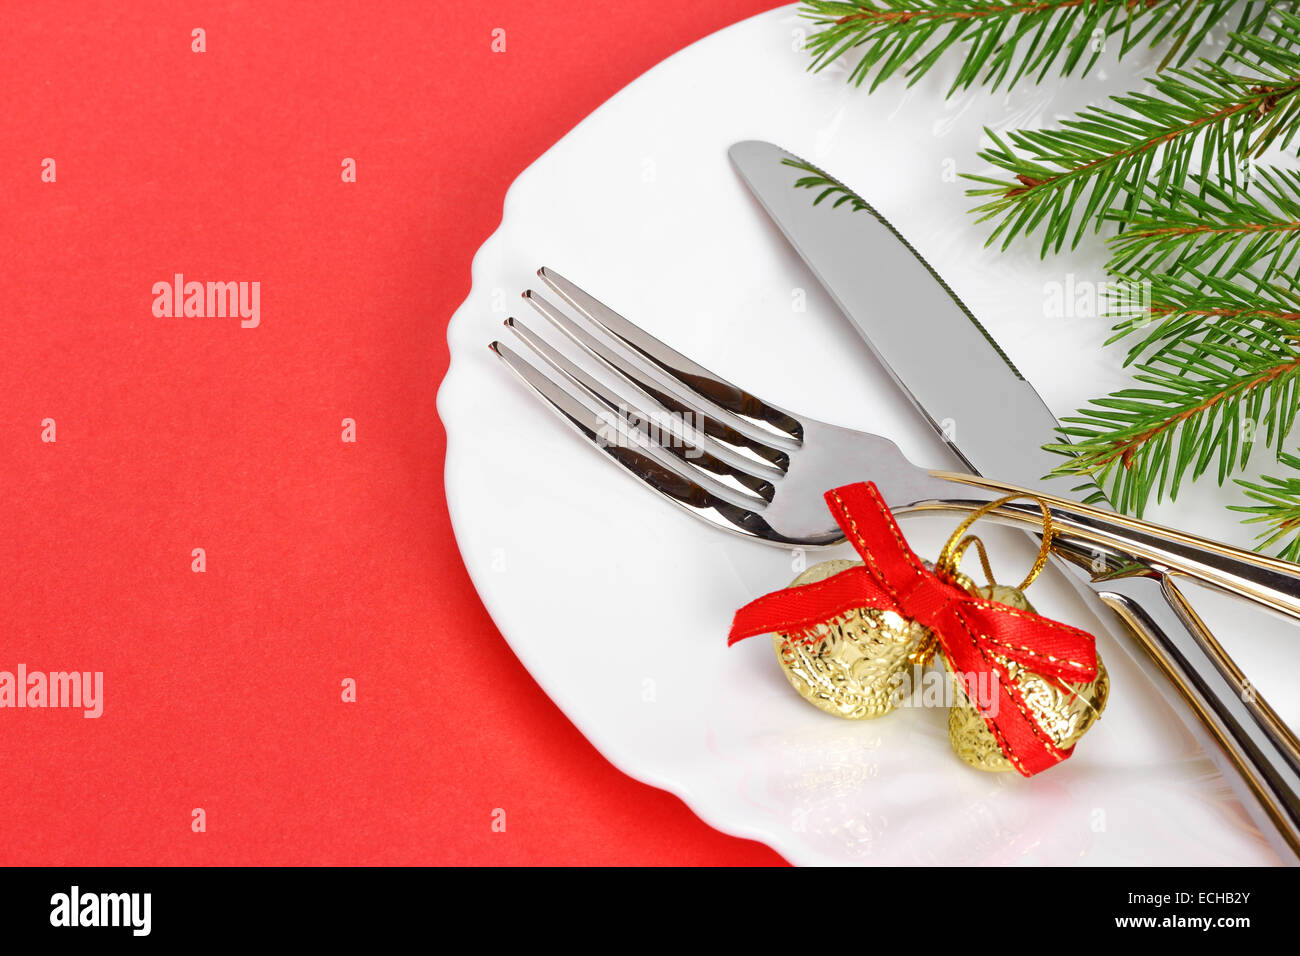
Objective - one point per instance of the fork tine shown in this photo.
(691, 374)
(684, 440)
(699, 493)
(714, 420)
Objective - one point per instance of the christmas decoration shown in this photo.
(846, 633)
(1064, 711)
(852, 666)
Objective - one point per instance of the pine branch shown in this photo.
(1104, 161)
(1170, 309)
(1001, 37)
(1197, 404)
(1278, 508)
(1201, 225)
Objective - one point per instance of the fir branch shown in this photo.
(1104, 161)
(1199, 406)
(1278, 508)
(1001, 37)
(1204, 226)
(1173, 309)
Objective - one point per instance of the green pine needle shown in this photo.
(1195, 406)
(1104, 161)
(1278, 508)
(1209, 227)
(1175, 309)
(1003, 40)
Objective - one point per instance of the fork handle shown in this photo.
(1266, 581)
(1256, 751)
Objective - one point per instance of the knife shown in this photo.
(953, 370)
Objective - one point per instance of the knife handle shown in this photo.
(1270, 582)
(1257, 751)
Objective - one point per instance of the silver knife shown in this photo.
(954, 371)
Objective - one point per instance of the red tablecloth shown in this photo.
(324, 560)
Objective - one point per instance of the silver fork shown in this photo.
(750, 467)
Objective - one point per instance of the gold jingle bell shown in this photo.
(860, 664)
(1065, 711)
(855, 666)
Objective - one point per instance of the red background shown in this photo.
(325, 560)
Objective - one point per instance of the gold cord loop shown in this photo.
(955, 548)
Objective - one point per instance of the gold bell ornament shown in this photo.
(850, 635)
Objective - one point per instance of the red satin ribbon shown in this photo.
(970, 630)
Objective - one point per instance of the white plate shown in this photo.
(618, 603)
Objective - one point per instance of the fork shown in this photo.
(745, 465)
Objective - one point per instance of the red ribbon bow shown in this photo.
(969, 629)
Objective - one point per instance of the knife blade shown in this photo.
(936, 349)
(954, 372)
